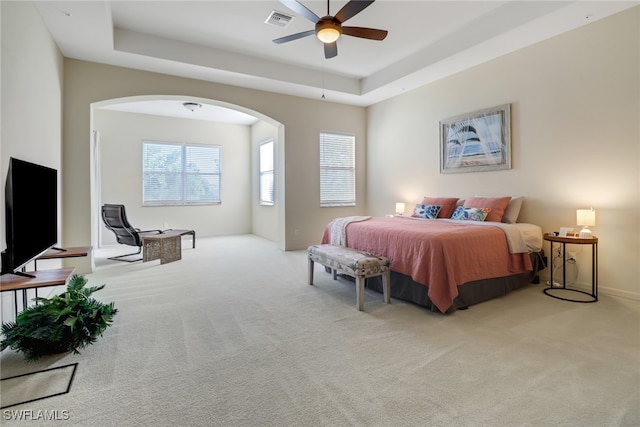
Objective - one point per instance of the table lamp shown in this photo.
(399, 208)
(586, 218)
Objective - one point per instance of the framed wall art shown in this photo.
(477, 141)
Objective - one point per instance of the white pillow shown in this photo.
(512, 210)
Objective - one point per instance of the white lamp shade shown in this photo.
(586, 217)
(400, 208)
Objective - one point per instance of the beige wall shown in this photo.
(30, 109)
(575, 103)
(300, 219)
(31, 94)
(264, 219)
(121, 137)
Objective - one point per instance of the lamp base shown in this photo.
(585, 233)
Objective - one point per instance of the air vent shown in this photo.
(278, 19)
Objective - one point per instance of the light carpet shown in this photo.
(232, 335)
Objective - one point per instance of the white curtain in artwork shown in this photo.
(474, 142)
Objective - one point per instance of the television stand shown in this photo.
(14, 282)
(71, 252)
(23, 274)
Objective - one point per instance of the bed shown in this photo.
(442, 263)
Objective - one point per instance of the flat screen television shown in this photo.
(31, 203)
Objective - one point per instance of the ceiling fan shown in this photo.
(329, 28)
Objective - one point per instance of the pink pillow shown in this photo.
(496, 204)
(448, 205)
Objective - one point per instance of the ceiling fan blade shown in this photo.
(295, 36)
(365, 33)
(301, 9)
(330, 50)
(352, 8)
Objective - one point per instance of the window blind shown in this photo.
(337, 169)
(266, 173)
(180, 174)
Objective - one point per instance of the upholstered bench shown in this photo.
(354, 263)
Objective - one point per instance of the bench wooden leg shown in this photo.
(310, 271)
(386, 287)
(360, 292)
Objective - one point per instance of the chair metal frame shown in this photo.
(115, 219)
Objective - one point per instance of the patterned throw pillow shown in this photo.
(496, 204)
(470, 214)
(426, 211)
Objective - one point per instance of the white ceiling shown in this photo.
(229, 42)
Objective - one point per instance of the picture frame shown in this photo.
(477, 141)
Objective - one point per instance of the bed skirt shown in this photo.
(405, 288)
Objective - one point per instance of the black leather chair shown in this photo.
(115, 219)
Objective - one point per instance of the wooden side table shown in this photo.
(191, 233)
(593, 241)
(166, 247)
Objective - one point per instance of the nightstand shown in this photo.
(556, 292)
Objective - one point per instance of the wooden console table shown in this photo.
(73, 252)
(40, 279)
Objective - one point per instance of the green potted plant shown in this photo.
(66, 322)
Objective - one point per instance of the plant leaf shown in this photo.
(66, 322)
(70, 321)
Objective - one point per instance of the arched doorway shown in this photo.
(263, 217)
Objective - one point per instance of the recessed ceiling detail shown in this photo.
(228, 41)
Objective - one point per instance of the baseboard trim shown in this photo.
(601, 290)
(618, 293)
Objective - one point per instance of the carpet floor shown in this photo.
(232, 335)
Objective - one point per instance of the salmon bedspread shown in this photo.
(440, 254)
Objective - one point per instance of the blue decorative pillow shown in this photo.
(470, 214)
(426, 211)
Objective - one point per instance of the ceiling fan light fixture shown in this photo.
(327, 30)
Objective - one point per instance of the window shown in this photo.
(180, 174)
(266, 173)
(337, 169)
